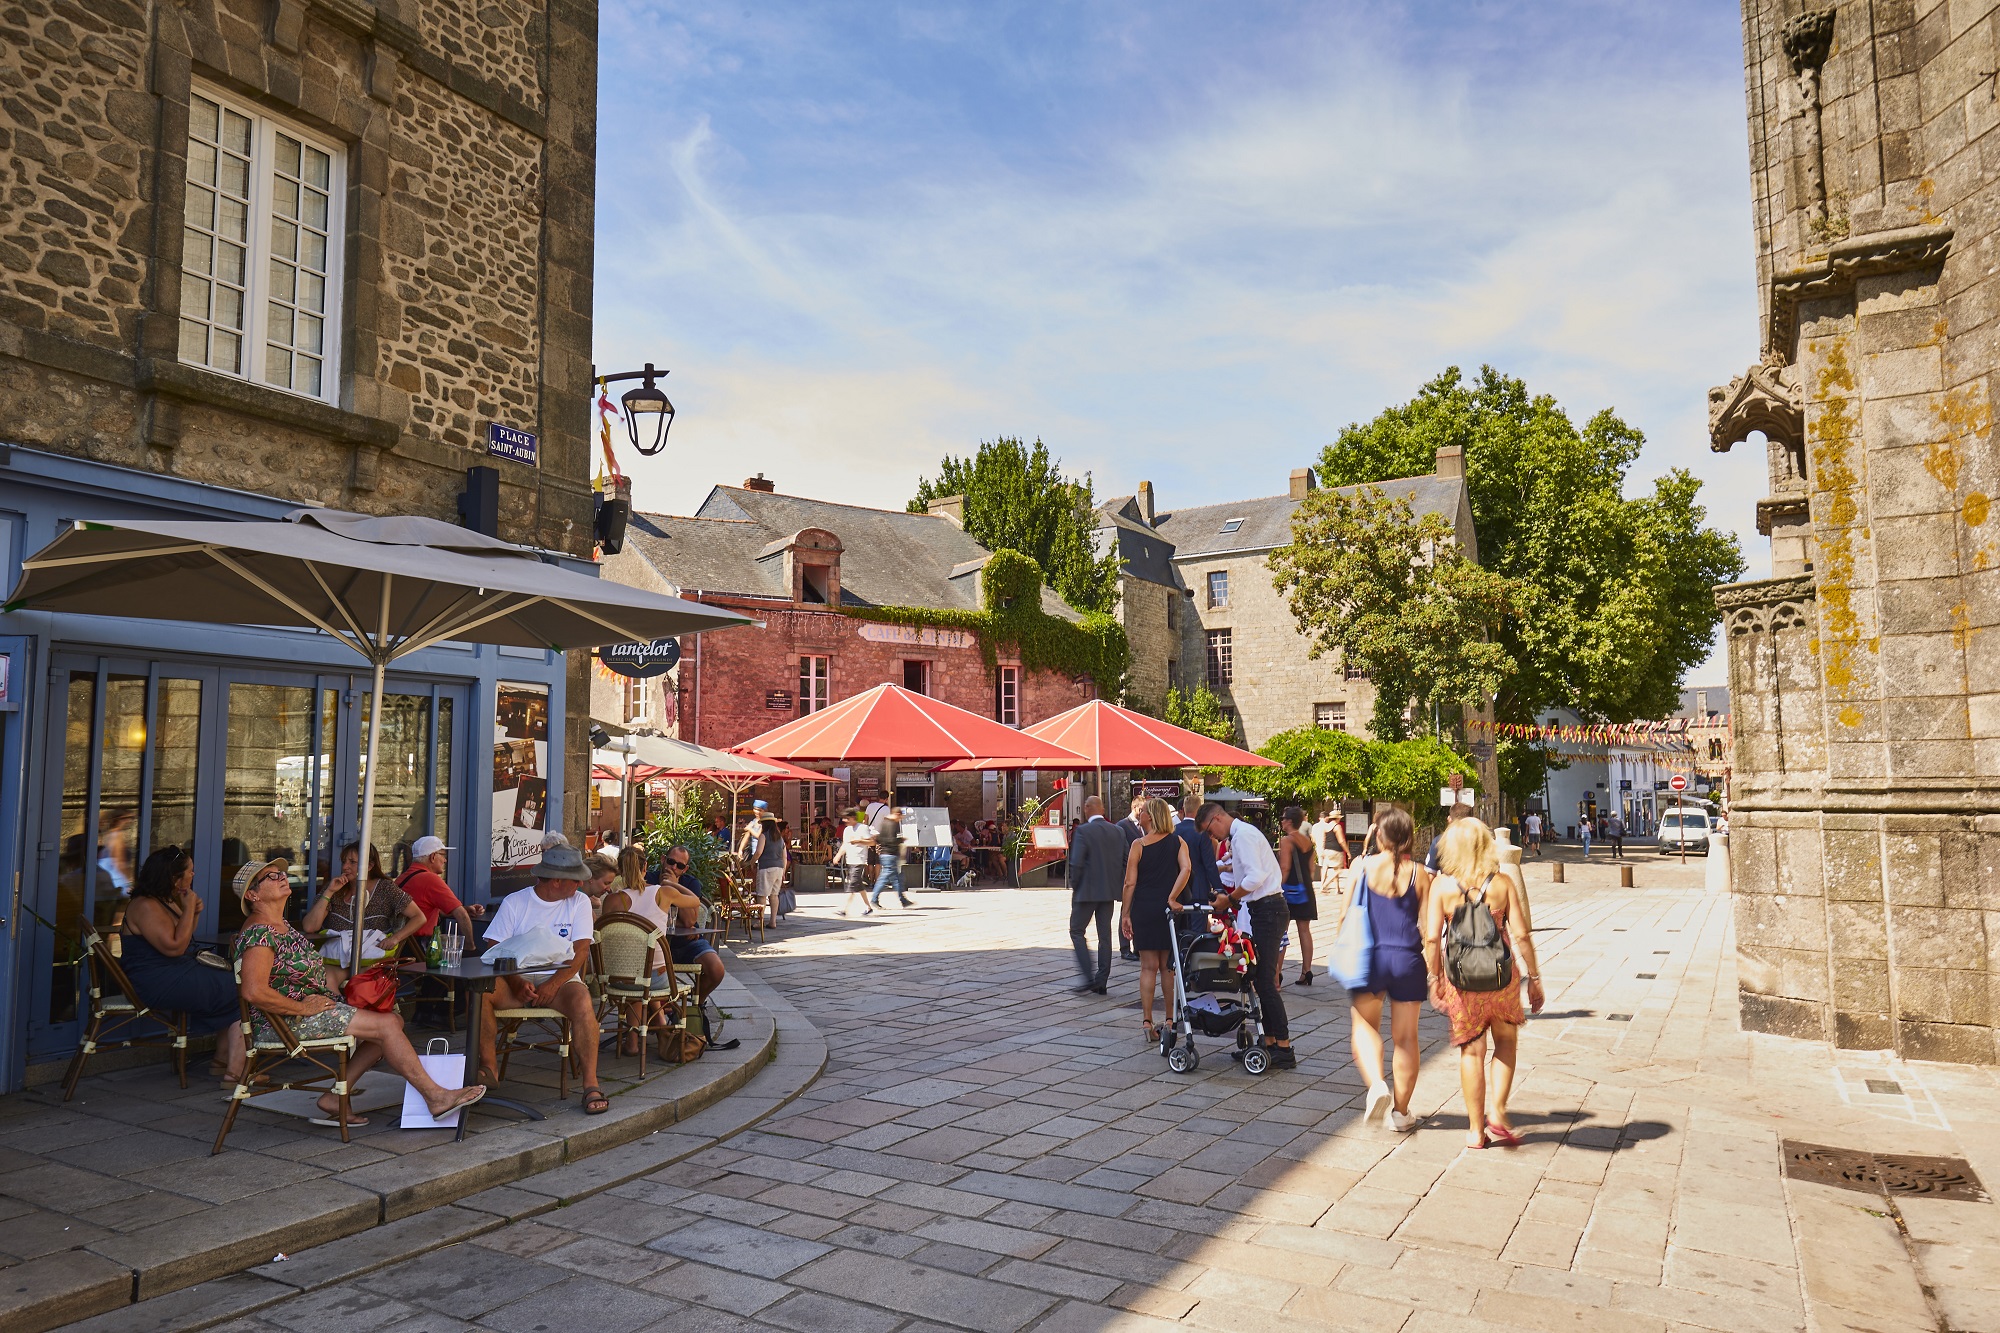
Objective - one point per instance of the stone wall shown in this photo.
(1867, 703)
(1152, 614)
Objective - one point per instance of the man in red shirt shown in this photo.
(424, 883)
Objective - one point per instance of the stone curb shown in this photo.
(791, 1058)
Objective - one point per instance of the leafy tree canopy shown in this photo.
(1614, 602)
(1394, 594)
(1319, 767)
(1017, 498)
(1200, 710)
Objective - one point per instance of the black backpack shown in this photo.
(1476, 953)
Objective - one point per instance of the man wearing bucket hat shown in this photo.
(551, 903)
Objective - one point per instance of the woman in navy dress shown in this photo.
(1391, 888)
(1156, 870)
(156, 954)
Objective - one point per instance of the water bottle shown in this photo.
(434, 955)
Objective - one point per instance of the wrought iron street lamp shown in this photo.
(648, 414)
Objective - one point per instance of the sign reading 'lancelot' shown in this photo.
(920, 636)
(640, 661)
(506, 442)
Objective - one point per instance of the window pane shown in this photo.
(197, 251)
(200, 210)
(228, 350)
(284, 281)
(312, 250)
(441, 808)
(318, 168)
(72, 884)
(202, 118)
(194, 297)
(201, 163)
(284, 239)
(235, 132)
(278, 365)
(285, 198)
(194, 342)
(267, 785)
(314, 214)
(233, 176)
(306, 375)
(229, 263)
(402, 781)
(281, 322)
(309, 334)
(228, 308)
(233, 219)
(312, 292)
(176, 742)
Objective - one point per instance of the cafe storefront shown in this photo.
(121, 736)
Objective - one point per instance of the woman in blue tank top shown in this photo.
(1390, 887)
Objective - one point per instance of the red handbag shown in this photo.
(374, 988)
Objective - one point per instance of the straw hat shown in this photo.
(253, 871)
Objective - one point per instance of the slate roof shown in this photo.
(1267, 522)
(1144, 553)
(888, 557)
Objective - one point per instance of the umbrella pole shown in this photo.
(362, 886)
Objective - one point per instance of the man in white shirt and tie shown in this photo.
(1256, 883)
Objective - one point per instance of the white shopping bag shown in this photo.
(336, 946)
(538, 947)
(447, 1070)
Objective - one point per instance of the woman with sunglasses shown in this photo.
(282, 974)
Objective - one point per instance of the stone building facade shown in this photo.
(1866, 698)
(789, 561)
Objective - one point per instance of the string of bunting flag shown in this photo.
(1666, 731)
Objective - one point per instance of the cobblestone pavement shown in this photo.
(988, 1151)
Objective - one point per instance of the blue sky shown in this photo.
(1184, 242)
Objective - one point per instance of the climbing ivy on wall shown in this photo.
(1011, 601)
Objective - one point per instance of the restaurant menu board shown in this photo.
(520, 781)
(926, 826)
(937, 868)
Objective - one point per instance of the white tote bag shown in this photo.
(447, 1069)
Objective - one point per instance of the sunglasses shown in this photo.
(678, 865)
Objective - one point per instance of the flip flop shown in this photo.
(1506, 1137)
(595, 1102)
(476, 1091)
(333, 1122)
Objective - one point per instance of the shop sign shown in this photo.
(918, 636)
(517, 445)
(641, 661)
(520, 780)
(779, 700)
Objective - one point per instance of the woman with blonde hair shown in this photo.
(1472, 877)
(1392, 889)
(1156, 870)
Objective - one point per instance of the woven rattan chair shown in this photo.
(327, 1055)
(628, 944)
(118, 1017)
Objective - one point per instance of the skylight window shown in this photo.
(1232, 525)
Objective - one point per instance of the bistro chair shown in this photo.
(629, 943)
(117, 1014)
(549, 1030)
(736, 904)
(327, 1056)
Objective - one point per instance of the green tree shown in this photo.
(1200, 710)
(1412, 771)
(1316, 766)
(1525, 766)
(1615, 601)
(1017, 497)
(1395, 596)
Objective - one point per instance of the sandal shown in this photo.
(331, 1119)
(594, 1101)
(1152, 1032)
(464, 1098)
(1506, 1137)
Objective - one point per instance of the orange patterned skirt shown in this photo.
(1473, 1011)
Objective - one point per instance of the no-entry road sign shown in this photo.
(1678, 782)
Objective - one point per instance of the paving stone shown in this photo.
(465, 1281)
(966, 1302)
(55, 1289)
(377, 1247)
(340, 1309)
(1520, 1310)
(717, 1287)
(602, 1307)
(746, 1249)
(811, 1312)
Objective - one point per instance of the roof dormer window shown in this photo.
(1232, 525)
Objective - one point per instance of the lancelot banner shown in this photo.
(641, 661)
(520, 781)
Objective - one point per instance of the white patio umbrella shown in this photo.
(385, 587)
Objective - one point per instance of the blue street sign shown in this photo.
(506, 442)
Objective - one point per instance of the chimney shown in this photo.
(1451, 461)
(1146, 503)
(1302, 482)
(760, 483)
(950, 507)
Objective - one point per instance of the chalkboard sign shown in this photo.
(937, 867)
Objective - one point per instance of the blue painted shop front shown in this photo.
(120, 736)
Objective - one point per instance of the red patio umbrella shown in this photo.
(1119, 738)
(889, 723)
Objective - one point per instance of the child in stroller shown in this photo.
(1213, 994)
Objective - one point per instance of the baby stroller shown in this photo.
(1212, 961)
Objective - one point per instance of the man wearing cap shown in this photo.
(551, 903)
(424, 883)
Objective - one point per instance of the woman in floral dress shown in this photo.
(1471, 869)
(281, 973)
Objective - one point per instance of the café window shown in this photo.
(638, 701)
(1331, 716)
(917, 677)
(1007, 696)
(815, 683)
(261, 248)
(1218, 587)
(1221, 658)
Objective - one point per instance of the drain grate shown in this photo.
(1618, 1018)
(1884, 1088)
(1657, 953)
(1646, 976)
(1883, 1173)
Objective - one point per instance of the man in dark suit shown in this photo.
(1096, 881)
(1204, 880)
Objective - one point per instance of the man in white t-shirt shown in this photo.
(555, 904)
(1531, 826)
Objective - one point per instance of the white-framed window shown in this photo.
(1218, 587)
(638, 701)
(1007, 696)
(261, 248)
(815, 683)
(1331, 716)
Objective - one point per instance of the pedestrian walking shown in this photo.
(1097, 853)
(1133, 829)
(1532, 827)
(771, 856)
(1614, 833)
(1256, 884)
(1583, 828)
(1393, 890)
(1479, 947)
(1157, 869)
(887, 829)
(1296, 855)
(1205, 881)
(1329, 836)
(857, 845)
